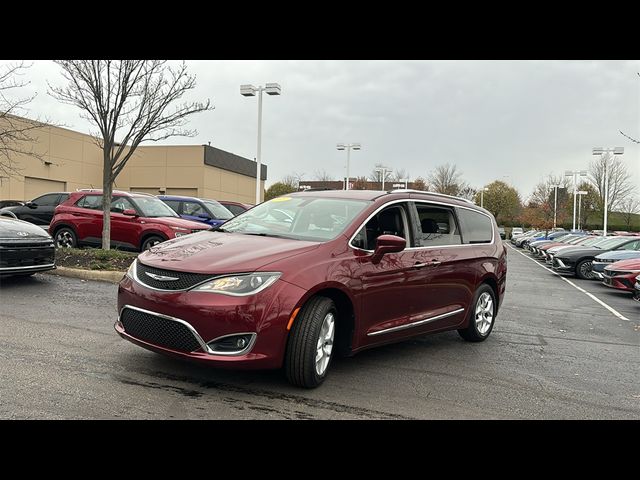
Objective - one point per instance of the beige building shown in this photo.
(70, 160)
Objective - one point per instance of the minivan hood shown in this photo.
(217, 252)
(9, 228)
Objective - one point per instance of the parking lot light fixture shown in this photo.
(482, 190)
(580, 193)
(575, 174)
(555, 203)
(613, 152)
(348, 147)
(250, 91)
(383, 171)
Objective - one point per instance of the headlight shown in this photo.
(131, 270)
(240, 285)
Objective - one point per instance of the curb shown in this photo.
(103, 276)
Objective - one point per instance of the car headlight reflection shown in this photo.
(240, 285)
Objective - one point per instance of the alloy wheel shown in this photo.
(325, 343)
(484, 313)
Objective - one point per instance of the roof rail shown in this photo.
(145, 193)
(410, 190)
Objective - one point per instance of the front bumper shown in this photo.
(210, 316)
(620, 282)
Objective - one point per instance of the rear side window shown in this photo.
(193, 208)
(436, 226)
(476, 227)
(49, 200)
(235, 209)
(94, 202)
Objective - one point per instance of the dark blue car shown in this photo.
(198, 209)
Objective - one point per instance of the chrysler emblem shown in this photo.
(161, 278)
(22, 234)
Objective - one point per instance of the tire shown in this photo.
(150, 242)
(483, 310)
(584, 271)
(313, 330)
(66, 238)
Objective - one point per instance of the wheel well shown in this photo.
(346, 322)
(63, 225)
(494, 286)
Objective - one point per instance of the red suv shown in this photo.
(302, 277)
(138, 221)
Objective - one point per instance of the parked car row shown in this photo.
(614, 260)
(138, 221)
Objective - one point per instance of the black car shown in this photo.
(577, 261)
(24, 248)
(39, 210)
(10, 203)
(502, 233)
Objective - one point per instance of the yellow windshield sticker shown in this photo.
(281, 199)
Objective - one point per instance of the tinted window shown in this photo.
(93, 202)
(49, 200)
(389, 221)
(174, 204)
(476, 227)
(437, 226)
(235, 209)
(631, 246)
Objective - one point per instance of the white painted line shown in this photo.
(592, 296)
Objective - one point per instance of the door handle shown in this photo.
(434, 263)
(419, 265)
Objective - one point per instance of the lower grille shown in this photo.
(16, 256)
(158, 330)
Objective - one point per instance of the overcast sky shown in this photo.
(516, 121)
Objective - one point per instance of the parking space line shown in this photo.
(592, 296)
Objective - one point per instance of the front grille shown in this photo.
(158, 331)
(184, 280)
(26, 255)
(608, 273)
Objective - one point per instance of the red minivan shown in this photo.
(138, 221)
(300, 278)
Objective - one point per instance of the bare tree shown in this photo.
(16, 134)
(323, 176)
(628, 136)
(420, 184)
(446, 179)
(399, 175)
(130, 101)
(619, 180)
(629, 208)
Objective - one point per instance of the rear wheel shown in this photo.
(584, 270)
(66, 238)
(150, 242)
(310, 345)
(481, 315)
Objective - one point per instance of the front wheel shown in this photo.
(584, 270)
(150, 242)
(481, 316)
(310, 345)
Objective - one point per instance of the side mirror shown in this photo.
(130, 212)
(31, 204)
(387, 244)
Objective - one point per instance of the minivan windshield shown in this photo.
(300, 218)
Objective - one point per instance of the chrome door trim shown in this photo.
(415, 324)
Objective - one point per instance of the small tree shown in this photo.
(502, 200)
(420, 184)
(130, 102)
(323, 176)
(277, 189)
(630, 207)
(446, 179)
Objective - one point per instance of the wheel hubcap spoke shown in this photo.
(484, 313)
(325, 343)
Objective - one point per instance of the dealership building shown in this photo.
(65, 160)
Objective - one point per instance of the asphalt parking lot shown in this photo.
(555, 353)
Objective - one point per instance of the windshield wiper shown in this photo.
(218, 229)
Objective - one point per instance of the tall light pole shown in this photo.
(555, 203)
(601, 151)
(482, 190)
(580, 193)
(348, 147)
(574, 174)
(384, 171)
(250, 91)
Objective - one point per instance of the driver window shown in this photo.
(192, 208)
(389, 221)
(120, 204)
